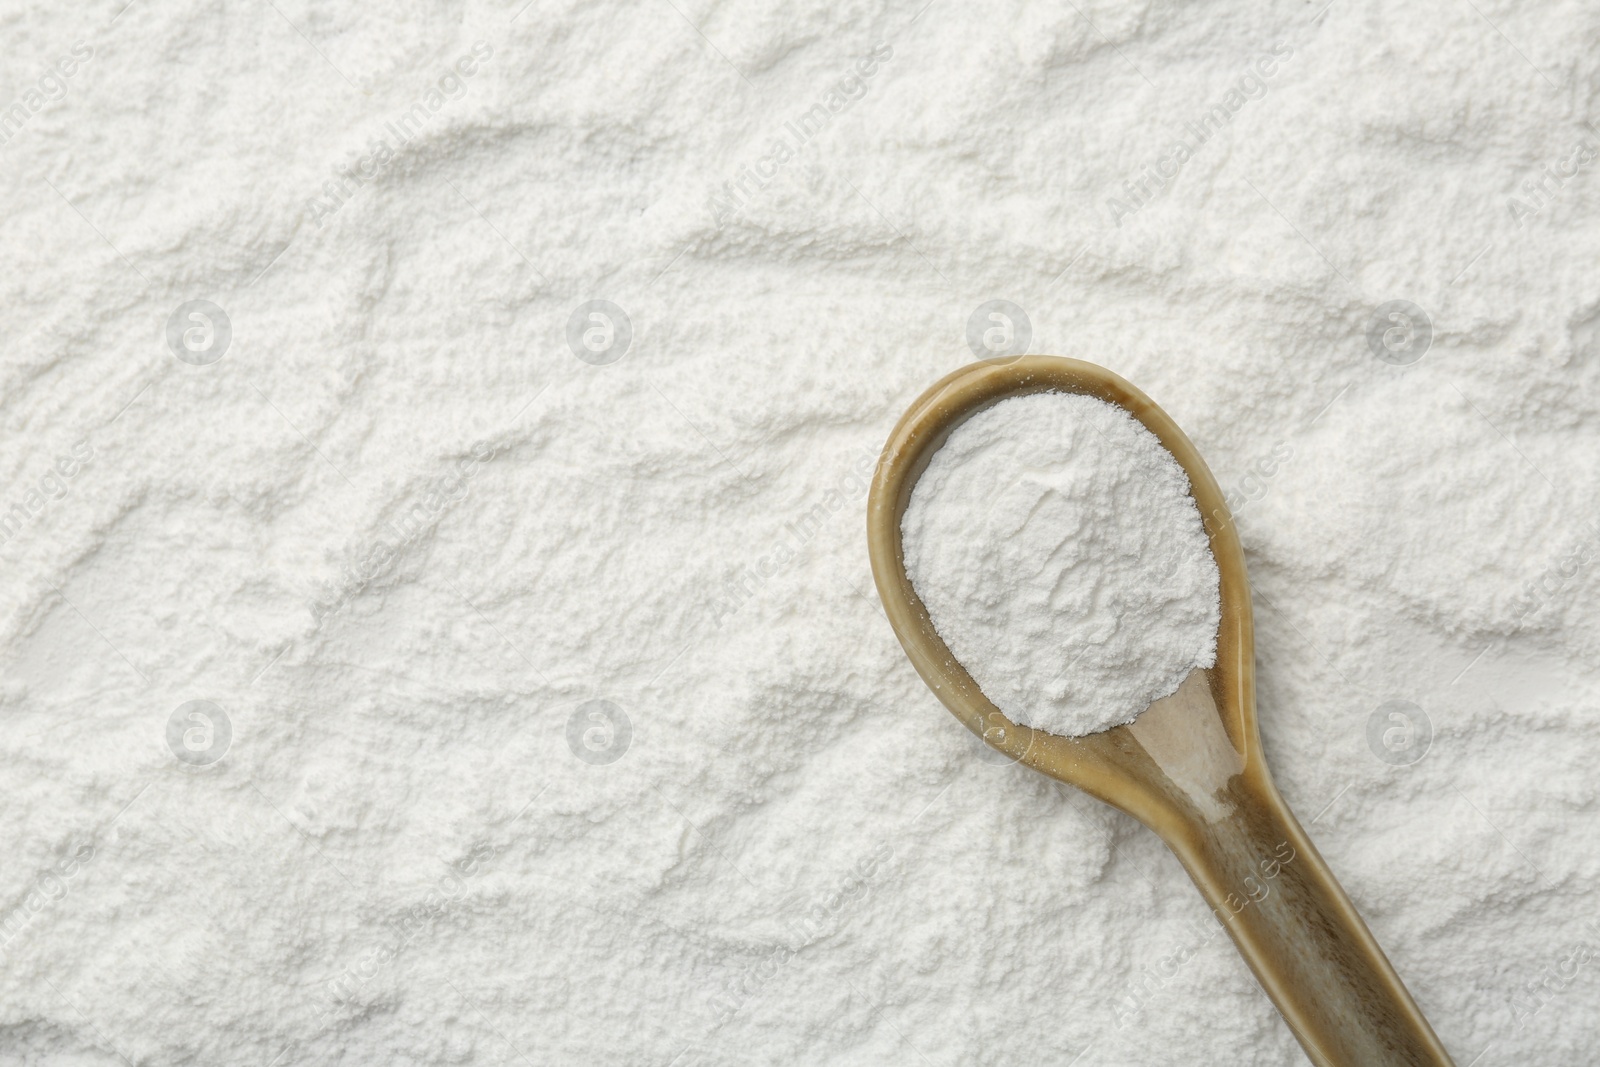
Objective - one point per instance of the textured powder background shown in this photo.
(1060, 554)
(402, 537)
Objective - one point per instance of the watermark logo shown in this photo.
(599, 332)
(199, 332)
(599, 732)
(199, 733)
(999, 329)
(996, 732)
(1399, 733)
(1399, 333)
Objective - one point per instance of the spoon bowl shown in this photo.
(1190, 767)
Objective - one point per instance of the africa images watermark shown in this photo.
(1560, 571)
(1158, 976)
(403, 128)
(1555, 978)
(738, 191)
(54, 484)
(51, 886)
(1539, 193)
(1253, 485)
(50, 87)
(742, 586)
(1153, 177)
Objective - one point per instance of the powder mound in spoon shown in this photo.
(1062, 558)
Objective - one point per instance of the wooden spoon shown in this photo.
(1191, 766)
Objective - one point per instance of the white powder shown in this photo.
(798, 855)
(1055, 544)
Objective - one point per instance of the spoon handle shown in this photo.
(1294, 926)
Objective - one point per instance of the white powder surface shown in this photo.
(425, 509)
(1054, 541)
